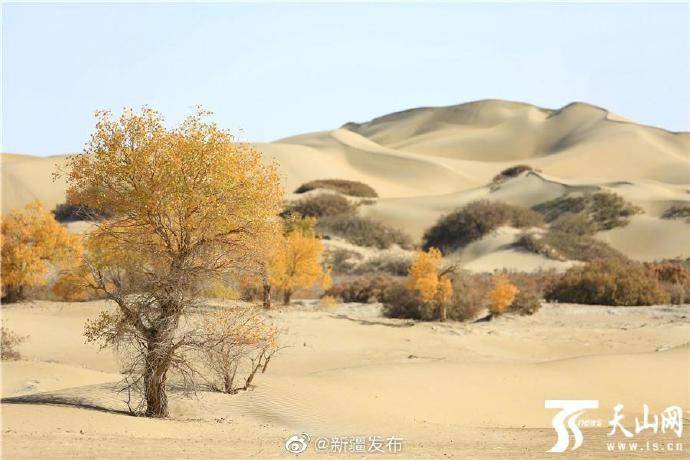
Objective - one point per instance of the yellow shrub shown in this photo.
(426, 279)
(74, 287)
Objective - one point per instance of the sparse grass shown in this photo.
(362, 231)
(346, 187)
(604, 210)
(474, 221)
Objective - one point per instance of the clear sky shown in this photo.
(278, 70)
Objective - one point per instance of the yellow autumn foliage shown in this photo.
(502, 294)
(33, 242)
(425, 278)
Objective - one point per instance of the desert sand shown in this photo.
(449, 390)
(429, 161)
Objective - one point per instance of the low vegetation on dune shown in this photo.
(346, 187)
(362, 289)
(604, 210)
(474, 221)
(321, 205)
(570, 236)
(609, 282)
(678, 211)
(362, 231)
(511, 172)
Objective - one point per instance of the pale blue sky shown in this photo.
(278, 70)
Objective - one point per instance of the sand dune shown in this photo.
(429, 161)
(483, 381)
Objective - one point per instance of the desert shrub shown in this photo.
(75, 287)
(400, 301)
(474, 221)
(511, 172)
(322, 205)
(342, 260)
(605, 210)
(609, 282)
(68, 212)
(674, 276)
(8, 347)
(575, 224)
(502, 294)
(361, 289)
(560, 245)
(678, 211)
(363, 231)
(470, 293)
(346, 187)
(397, 264)
(525, 303)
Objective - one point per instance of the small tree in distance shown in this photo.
(32, 242)
(502, 294)
(430, 282)
(189, 206)
(296, 262)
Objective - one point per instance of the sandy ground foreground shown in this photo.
(448, 390)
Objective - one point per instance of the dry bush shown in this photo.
(502, 295)
(10, 342)
(511, 172)
(400, 301)
(678, 211)
(561, 245)
(397, 264)
(363, 231)
(361, 289)
(346, 187)
(236, 345)
(321, 205)
(609, 282)
(342, 260)
(476, 220)
(525, 303)
(68, 212)
(604, 210)
(674, 276)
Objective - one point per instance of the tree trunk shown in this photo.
(155, 375)
(267, 294)
(442, 312)
(287, 294)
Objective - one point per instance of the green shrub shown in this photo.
(604, 210)
(678, 211)
(362, 290)
(322, 205)
(511, 172)
(609, 282)
(363, 231)
(346, 187)
(474, 221)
